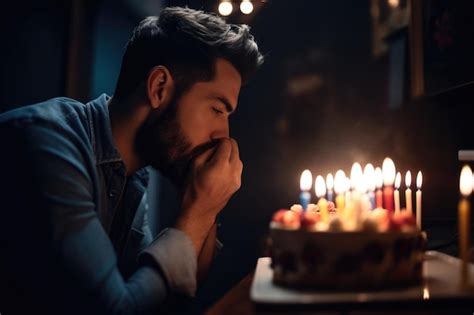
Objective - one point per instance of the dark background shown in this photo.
(322, 101)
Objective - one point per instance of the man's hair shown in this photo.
(187, 42)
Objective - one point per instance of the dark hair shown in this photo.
(187, 42)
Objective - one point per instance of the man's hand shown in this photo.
(213, 179)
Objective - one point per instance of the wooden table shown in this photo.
(237, 301)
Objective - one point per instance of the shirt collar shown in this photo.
(100, 131)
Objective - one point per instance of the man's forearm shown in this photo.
(206, 255)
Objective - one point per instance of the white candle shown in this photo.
(419, 181)
(396, 193)
(408, 193)
(464, 209)
(369, 177)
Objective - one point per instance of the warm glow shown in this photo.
(340, 182)
(246, 7)
(378, 178)
(369, 175)
(356, 175)
(465, 181)
(347, 187)
(419, 180)
(330, 181)
(388, 171)
(426, 293)
(398, 180)
(361, 185)
(225, 8)
(320, 186)
(306, 180)
(394, 3)
(408, 179)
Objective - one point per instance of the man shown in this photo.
(75, 237)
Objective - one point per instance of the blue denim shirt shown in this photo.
(64, 186)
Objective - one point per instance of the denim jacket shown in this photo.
(64, 186)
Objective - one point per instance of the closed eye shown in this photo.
(217, 111)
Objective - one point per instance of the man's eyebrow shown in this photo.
(230, 109)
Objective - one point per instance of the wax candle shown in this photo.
(388, 172)
(330, 186)
(357, 189)
(464, 216)
(369, 176)
(396, 193)
(320, 190)
(419, 181)
(339, 187)
(408, 198)
(378, 184)
(306, 182)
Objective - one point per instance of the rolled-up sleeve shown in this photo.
(174, 253)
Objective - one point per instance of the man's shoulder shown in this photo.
(58, 110)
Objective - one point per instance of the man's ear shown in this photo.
(159, 86)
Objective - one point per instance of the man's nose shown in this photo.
(221, 132)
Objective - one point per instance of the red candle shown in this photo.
(378, 184)
(388, 172)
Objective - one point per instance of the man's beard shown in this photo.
(161, 144)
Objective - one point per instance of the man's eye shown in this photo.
(217, 111)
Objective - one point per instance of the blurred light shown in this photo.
(320, 186)
(306, 180)
(388, 171)
(225, 8)
(246, 7)
(394, 3)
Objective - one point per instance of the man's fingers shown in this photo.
(223, 151)
(235, 155)
(205, 156)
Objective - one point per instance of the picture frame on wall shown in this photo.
(441, 45)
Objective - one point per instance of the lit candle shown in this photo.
(369, 175)
(408, 193)
(396, 193)
(356, 184)
(330, 186)
(419, 181)
(340, 188)
(464, 218)
(347, 189)
(388, 172)
(306, 181)
(378, 184)
(320, 190)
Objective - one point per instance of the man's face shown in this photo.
(190, 125)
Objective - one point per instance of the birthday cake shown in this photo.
(348, 249)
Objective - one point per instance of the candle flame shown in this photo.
(320, 186)
(398, 180)
(340, 182)
(408, 179)
(369, 175)
(378, 177)
(329, 181)
(426, 293)
(419, 180)
(388, 171)
(356, 175)
(465, 181)
(306, 180)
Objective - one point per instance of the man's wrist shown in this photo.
(195, 226)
